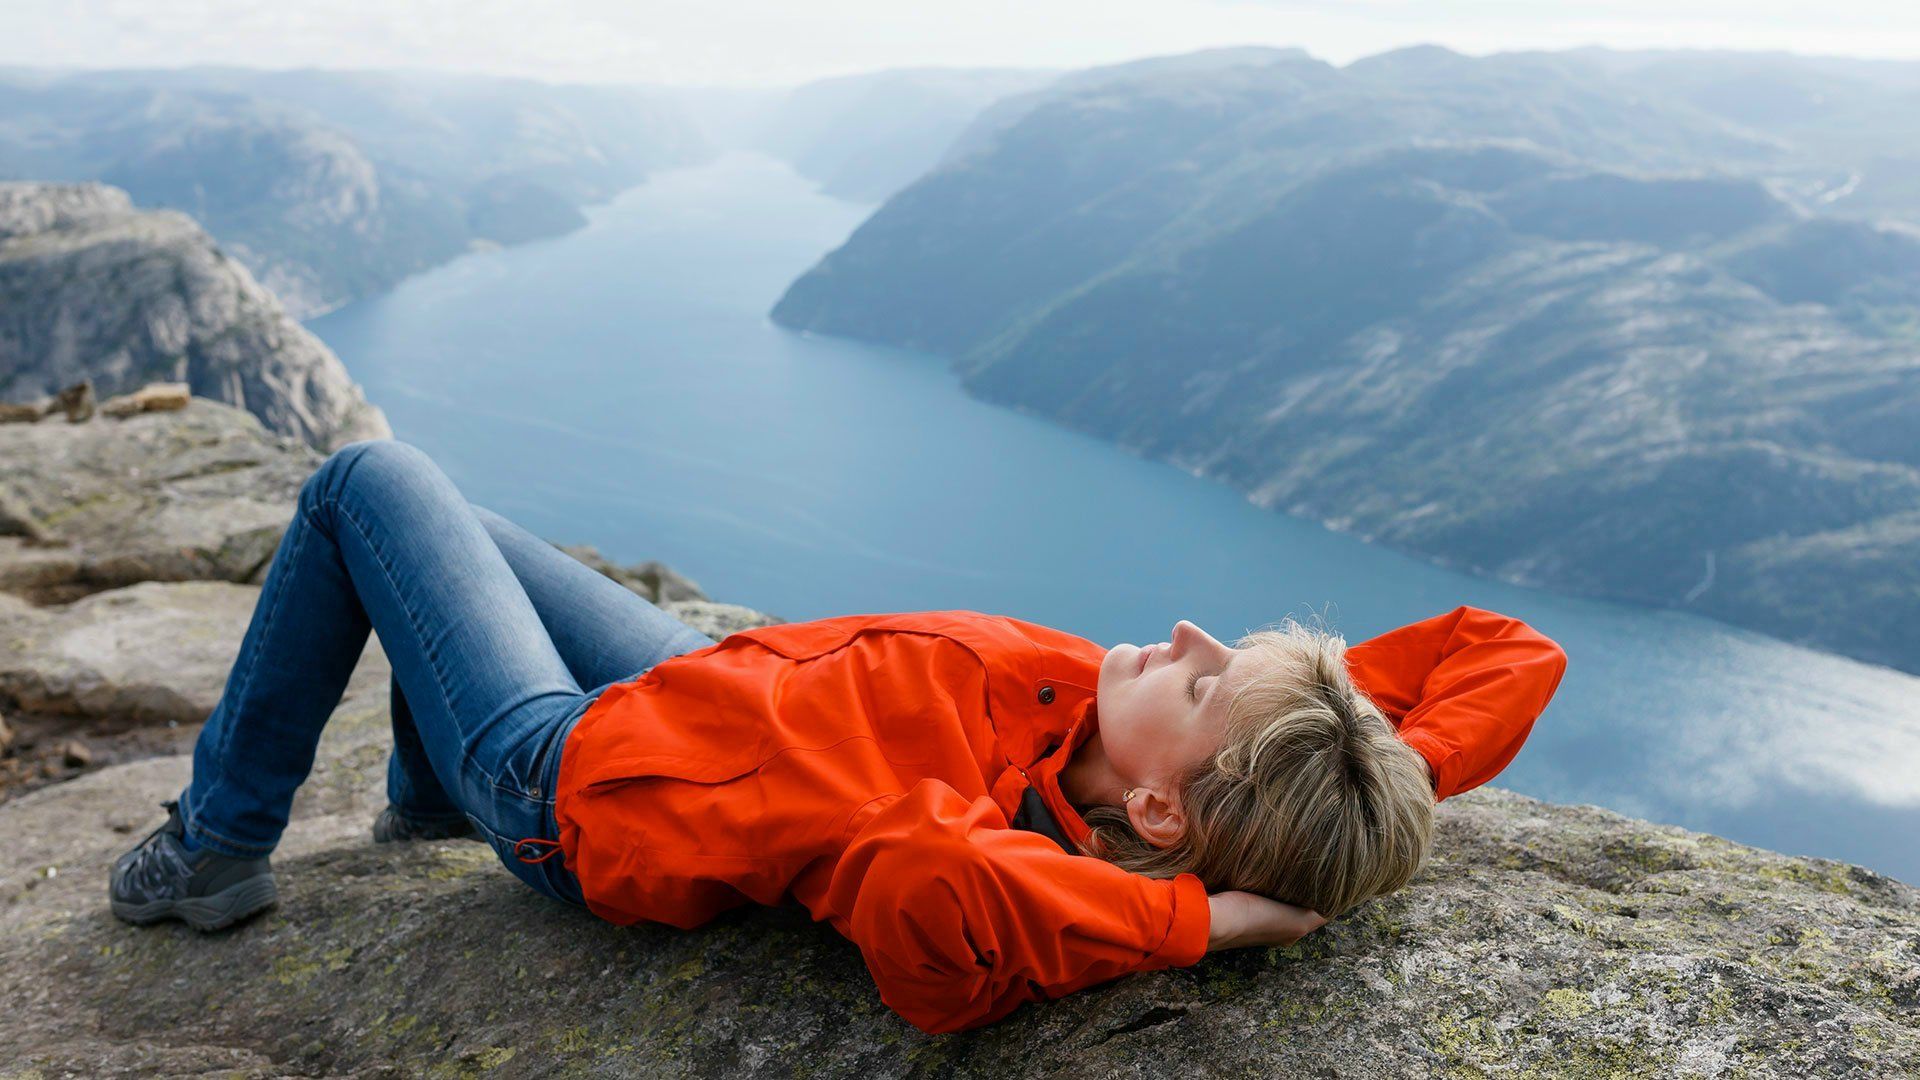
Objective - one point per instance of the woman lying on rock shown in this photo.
(994, 811)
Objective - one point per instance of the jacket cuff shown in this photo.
(1440, 758)
(1186, 940)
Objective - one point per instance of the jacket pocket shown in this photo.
(700, 770)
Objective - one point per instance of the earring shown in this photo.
(1127, 795)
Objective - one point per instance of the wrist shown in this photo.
(1223, 931)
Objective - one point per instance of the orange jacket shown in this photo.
(897, 774)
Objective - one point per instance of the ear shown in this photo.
(1155, 818)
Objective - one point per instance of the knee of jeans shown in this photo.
(356, 458)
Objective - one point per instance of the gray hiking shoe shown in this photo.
(393, 826)
(160, 879)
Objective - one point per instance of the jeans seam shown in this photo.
(220, 752)
(413, 623)
(266, 630)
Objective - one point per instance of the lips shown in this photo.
(1144, 654)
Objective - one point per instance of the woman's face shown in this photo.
(1163, 707)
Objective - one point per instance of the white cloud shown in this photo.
(764, 42)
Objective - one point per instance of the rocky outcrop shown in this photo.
(1541, 940)
(150, 653)
(91, 288)
(198, 494)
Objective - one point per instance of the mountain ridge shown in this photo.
(1510, 314)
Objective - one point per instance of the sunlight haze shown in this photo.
(766, 42)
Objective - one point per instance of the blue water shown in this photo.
(622, 387)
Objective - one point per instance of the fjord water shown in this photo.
(623, 387)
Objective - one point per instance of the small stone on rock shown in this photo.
(76, 401)
(18, 412)
(153, 397)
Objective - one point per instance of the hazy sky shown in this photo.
(765, 42)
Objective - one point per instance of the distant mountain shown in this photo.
(1851, 127)
(1522, 314)
(334, 185)
(863, 137)
(91, 288)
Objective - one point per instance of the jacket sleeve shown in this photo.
(961, 919)
(1464, 689)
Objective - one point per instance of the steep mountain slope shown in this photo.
(333, 185)
(91, 288)
(1500, 312)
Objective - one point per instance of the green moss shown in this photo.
(1566, 1004)
(295, 970)
(1468, 1044)
(1294, 1012)
(1719, 1008)
(1601, 1059)
(572, 1040)
(1833, 879)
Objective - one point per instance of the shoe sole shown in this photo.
(463, 830)
(203, 913)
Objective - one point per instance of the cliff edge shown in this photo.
(1541, 940)
(92, 288)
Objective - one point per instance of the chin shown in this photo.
(1106, 669)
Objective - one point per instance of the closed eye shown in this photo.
(1192, 680)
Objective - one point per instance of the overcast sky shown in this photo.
(772, 42)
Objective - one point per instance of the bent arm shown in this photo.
(961, 919)
(1464, 689)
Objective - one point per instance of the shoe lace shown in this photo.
(156, 865)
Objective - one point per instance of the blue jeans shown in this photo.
(491, 632)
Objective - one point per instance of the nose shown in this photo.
(1188, 635)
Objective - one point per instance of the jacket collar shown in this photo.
(1045, 773)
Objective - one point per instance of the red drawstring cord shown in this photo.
(554, 845)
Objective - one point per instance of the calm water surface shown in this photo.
(623, 387)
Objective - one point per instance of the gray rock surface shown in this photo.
(91, 288)
(652, 579)
(717, 620)
(202, 493)
(151, 653)
(122, 675)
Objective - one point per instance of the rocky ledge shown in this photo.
(91, 288)
(1542, 940)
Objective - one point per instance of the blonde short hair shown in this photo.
(1312, 798)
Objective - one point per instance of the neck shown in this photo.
(1088, 778)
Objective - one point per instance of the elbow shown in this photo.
(934, 990)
